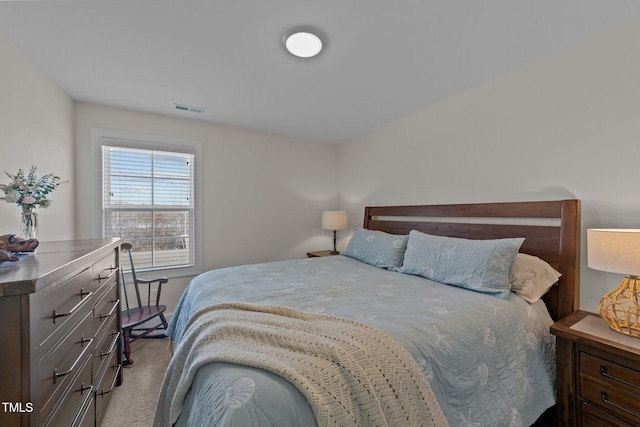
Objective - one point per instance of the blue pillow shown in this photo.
(377, 248)
(479, 265)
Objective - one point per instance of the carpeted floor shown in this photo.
(133, 404)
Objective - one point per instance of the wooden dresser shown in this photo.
(60, 350)
(598, 373)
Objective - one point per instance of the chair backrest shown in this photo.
(155, 290)
(127, 247)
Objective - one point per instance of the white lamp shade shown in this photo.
(614, 250)
(334, 220)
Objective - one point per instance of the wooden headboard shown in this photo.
(554, 237)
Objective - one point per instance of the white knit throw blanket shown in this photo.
(350, 373)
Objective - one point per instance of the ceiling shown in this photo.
(383, 59)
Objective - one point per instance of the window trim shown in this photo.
(117, 138)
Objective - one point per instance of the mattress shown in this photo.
(488, 361)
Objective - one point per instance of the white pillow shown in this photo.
(531, 277)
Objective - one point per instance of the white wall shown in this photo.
(567, 126)
(36, 129)
(263, 194)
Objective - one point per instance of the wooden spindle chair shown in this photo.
(138, 313)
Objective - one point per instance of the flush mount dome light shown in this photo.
(303, 42)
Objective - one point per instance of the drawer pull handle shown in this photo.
(115, 379)
(87, 398)
(603, 372)
(113, 346)
(110, 269)
(57, 374)
(83, 296)
(605, 399)
(115, 303)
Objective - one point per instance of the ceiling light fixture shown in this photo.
(303, 42)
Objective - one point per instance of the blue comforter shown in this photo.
(490, 362)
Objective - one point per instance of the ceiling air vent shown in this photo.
(189, 108)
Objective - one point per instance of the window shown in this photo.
(148, 199)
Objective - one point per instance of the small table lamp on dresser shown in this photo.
(618, 251)
(334, 221)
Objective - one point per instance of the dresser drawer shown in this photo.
(73, 403)
(107, 345)
(61, 307)
(610, 372)
(106, 308)
(105, 387)
(104, 288)
(87, 417)
(61, 365)
(610, 386)
(595, 417)
(104, 270)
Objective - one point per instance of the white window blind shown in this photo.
(148, 201)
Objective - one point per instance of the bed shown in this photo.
(485, 356)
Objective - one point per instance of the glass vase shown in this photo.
(29, 225)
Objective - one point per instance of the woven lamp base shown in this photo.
(620, 308)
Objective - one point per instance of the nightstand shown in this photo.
(598, 373)
(320, 253)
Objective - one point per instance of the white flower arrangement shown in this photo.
(28, 190)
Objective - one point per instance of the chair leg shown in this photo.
(164, 322)
(127, 348)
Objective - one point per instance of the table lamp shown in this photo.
(618, 251)
(334, 220)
